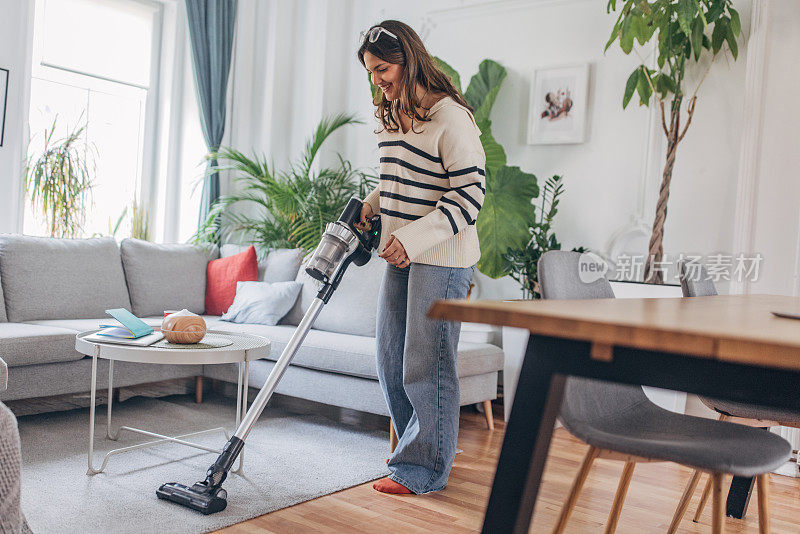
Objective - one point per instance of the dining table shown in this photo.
(731, 347)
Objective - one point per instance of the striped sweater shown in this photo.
(432, 184)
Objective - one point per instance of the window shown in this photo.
(95, 64)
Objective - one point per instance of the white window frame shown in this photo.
(148, 139)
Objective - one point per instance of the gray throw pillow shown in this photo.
(280, 265)
(166, 276)
(262, 302)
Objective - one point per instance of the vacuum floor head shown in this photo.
(198, 497)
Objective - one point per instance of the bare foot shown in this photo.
(387, 485)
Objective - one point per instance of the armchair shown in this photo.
(11, 520)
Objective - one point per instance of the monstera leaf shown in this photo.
(505, 217)
(495, 155)
(481, 94)
(450, 72)
(483, 89)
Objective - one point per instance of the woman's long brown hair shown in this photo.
(418, 68)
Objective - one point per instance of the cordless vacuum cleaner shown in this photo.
(341, 245)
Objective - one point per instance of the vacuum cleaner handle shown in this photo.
(352, 212)
(369, 237)
(261, 400)
(207, 496)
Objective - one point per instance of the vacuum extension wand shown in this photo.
(341, 244)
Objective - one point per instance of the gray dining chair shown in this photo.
(619, 422)
(696, 282)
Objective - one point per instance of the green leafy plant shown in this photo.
(506, 215)
(682, 28)
(293, 206)
(524, 261)
(113, 227)
(59, 181)
(140, 225)
(140, 222)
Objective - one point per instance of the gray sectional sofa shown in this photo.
(51, 289)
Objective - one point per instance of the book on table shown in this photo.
(130, 331)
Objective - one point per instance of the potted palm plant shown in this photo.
(59, 181)
(292, 206)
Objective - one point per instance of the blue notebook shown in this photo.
(132, 327)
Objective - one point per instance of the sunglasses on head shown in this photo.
(375, 32)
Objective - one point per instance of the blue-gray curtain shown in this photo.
(211, 24)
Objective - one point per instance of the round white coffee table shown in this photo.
(243, 349)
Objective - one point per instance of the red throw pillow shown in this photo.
(221, 278)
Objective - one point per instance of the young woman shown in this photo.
(431, 189)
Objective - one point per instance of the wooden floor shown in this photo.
(651, 500)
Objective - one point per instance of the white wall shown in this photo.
(295, 62)
(16, 27)
(775, 228)
(611, 179)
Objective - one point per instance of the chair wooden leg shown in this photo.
(762, 482)
(487, 412)
(198, 389)
(619, 498)
(707, 488)
(703, 500)
(684, 502)
(572, 498)
(392, 436)
(718, 516)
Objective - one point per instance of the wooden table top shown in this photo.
(736, 328)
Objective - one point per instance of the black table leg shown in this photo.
(739, 494)
(530, 427)
(739, 497)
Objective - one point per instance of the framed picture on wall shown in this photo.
(558, 100)
(3, 101)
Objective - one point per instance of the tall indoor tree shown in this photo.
(687, 31)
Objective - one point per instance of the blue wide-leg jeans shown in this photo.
(417, 370)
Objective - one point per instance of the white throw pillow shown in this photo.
(262, 302)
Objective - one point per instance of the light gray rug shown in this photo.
(289, 458)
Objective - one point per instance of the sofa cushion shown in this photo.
(280, 265)
(28, 344)
(166, 277)
(3, 375)
(355, 355)
(3, 317)
(46, 278)
(353, 307)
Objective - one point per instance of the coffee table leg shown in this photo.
(92, 470)
(241, 404)
(239, 395)
(109, 435)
